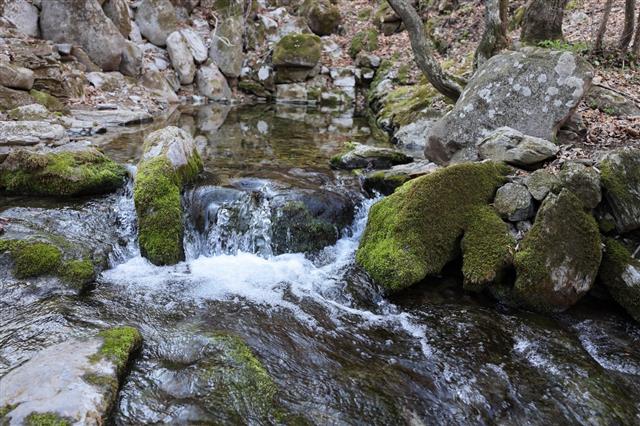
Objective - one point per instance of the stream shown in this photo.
(339, 351)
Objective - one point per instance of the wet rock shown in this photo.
(226, 45)
(169, 161)
(610, 102)
(514, 202)
(30, 132)
(295, 93)
(84, 23)
(541, 182)
(32, 112)
(109, 117)
(533, 91)
(583, 181)
(23, 15)
(620, 273)
(10, 98)
(366, 157)
(118, 12)
(212, 84)
(196, 46)
(181, 57)
(621, 181)
(15, 77)
(322, 16)
(416, 231)
(63, 171)
(558, 259)
(73, 382)
(513, 147)
(156, 19)
(386, 181)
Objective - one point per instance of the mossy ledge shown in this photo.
(118, 345)
(64, 173)
(157, 190)
(35, 258)
(416, 231)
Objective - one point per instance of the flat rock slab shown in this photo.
(30, 132)
(533, 91)
(107, 118)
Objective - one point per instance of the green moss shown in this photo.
(366, 40)
(158, 204)
(253, 87)
(619, 177)
(416, 231)
(50, 102)
(296, 230)
(33, 259)
(383, 182)
(78, 272)
(615, 262)
(60, 174)
(294, 49)
(563, 240)
(405, 104)
(487, 248)
(4, 411)
(45, 419)
(118, 345)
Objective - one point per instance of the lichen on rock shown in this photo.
(620, 173)
(416, 231)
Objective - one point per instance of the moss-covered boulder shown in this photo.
(361, 156)
(416, 231)
(365, 40)
(322, 16)
(621, 181)
(73, 382)
(35, 258)
(583, 181)
(558, 259)
(297, 50)
(620, 273)
(60, 172)
(386, 181)
(170, 160)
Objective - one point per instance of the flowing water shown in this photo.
(338, 349)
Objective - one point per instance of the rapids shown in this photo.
(338, 349)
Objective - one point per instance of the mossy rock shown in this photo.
(118, 346)
(60, 173)
(365, 40)
(416, 231)
(45, 419)
(48, 101)
(620, 174)
(361, 156)
(36, 258)
(297, 50)
(295, 230)
(558, 259)
(323, 17)
(620, 273)
(406, 104)
(170, 160)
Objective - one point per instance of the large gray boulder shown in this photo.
(533, 91)
(621, 181)
(118, 12)
(83, 22)
(583, 181)
(226, 45)
(16, 77)
(212, 84)
(181, 57)
(196, 45)
(156, 19)
(73, 382)
(513, 147)
(23, 15)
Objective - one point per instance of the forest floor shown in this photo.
(459, 33)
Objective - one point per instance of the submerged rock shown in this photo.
(169, 161)
(513, 147)
(367, 157)
(558, 259)
(533, 91)
(63, 171)
(621, 181)
(620, 273)
(74, 382)
(416, 231)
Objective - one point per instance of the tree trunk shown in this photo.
(597, 45)
(629, 24)
(636, 40)
(494, 38)
(423, 50)
(543, 21)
